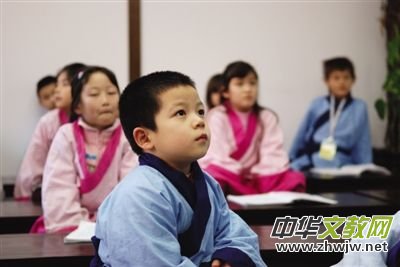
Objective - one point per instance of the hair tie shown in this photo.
(80, 74)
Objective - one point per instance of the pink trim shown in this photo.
(22, 198)
(91, 180)
(230, 182)
(67, 229)
(63, 117)
(243, 136)
(288, 180)
(38, 226)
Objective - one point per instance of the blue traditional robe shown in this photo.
(352, 135)
(375, 259)
(157, 217)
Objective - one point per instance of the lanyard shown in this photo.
(334, 117)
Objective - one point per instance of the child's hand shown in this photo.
(218, 263)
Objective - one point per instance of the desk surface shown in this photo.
(348, 204)
(12, 208)
(18, 216)
(390, 196)
(42, 250)
(50, 250)
(369, 181)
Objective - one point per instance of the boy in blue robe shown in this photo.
(167, 211)
(335, 130)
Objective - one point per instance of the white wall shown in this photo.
(286, 42)
(39, 38)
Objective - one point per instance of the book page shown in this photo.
(277, 198)
(350, 170)
(83, 233)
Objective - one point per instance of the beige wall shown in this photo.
(39, 38)
(285, 41)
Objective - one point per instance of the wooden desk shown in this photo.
(17, 216)
(389, 196)
(348, 204)
(42, 250)
(49, 250)
(279, 259)
(368, 181)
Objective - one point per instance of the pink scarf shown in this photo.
(243, 136)
(62, 116)
(92, 179)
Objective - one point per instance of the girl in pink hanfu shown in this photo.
(29, 177)
(88, 157)
(246, 154)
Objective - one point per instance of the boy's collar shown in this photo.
(179, 179)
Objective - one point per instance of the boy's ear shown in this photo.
(142, 138)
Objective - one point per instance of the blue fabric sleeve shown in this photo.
(139, 228)
(299, 143)
(362, 152)
(235, 242)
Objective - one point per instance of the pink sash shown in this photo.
(39, 228)
(92, 179)
(63, 117)
(243, 136)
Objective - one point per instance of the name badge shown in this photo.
(327, 151)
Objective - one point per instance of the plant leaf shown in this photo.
(380, 107)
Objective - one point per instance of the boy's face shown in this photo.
(339, 83)
(182, 135)
(62, 93)
(46, 96)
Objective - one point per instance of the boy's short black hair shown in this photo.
(338, 63)
(139, 102)
(44, 82)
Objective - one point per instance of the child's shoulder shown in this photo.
(217, 114)
(143, 179)
(51, 116)
(358, 102)
(268, 114)
(65, 133)
(319, 100)
(220, 109)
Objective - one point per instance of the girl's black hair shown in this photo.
(214, 85)
(71, 70)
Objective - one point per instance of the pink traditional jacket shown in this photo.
(83, 166)
(245, 147)
(31, 170)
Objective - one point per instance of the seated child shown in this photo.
(246, 154)
(29, 177)
(335, 130)
(390, 257)
(88, 157)
(167, 211)
(214, 89)
(45, 92)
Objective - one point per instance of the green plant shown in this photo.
(391, 107)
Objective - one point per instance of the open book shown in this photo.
(278, 198)
(350, 170)
(83, 233)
